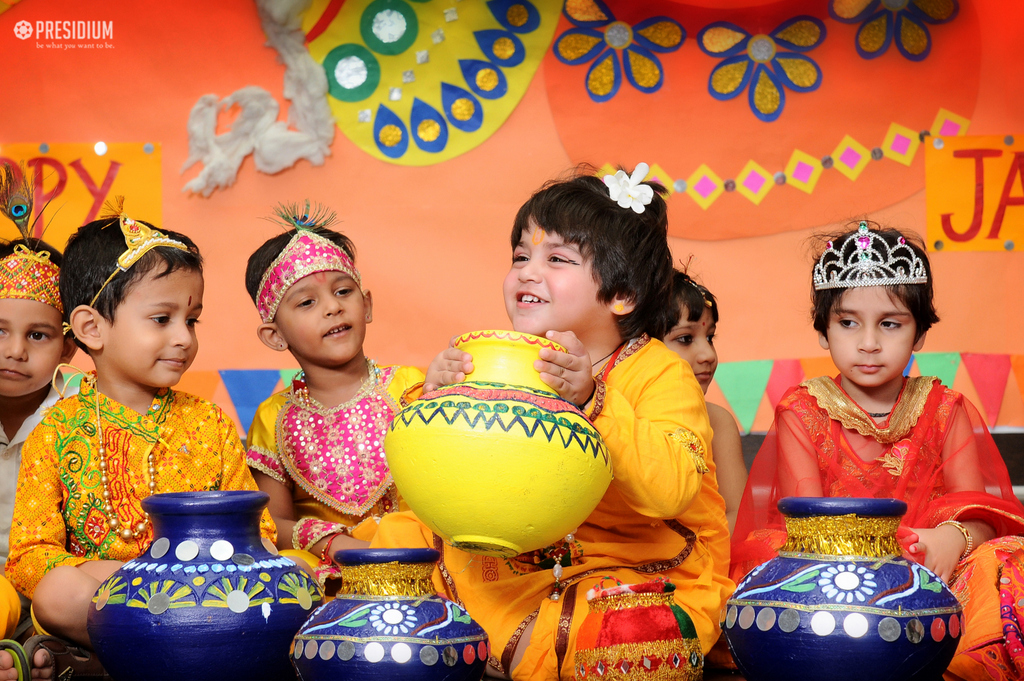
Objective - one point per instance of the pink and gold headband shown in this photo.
(307, 253)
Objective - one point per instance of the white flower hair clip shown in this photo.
(630, 191)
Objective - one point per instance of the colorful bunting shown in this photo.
(942, 365)
(786, 373)
(989, 374)
(249, 387)
(1017, 362)
(199, 383)
(818, 366)
(743, 384)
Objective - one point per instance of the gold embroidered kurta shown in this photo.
(59, 517)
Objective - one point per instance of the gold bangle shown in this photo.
(967, 536)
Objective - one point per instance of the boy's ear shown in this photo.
(621, 306)
(920, 342)
(85, 324)
(823, 341)
(271, 337)
(368, 304)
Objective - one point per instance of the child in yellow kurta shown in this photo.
(126, 435)
(318, 447)
(32, 345)
(595, 277)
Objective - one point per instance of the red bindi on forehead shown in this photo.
(190, 300)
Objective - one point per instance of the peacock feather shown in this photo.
(304, 216)
(16, 198)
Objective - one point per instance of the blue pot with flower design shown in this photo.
(387, 622)
(209, 599)
(839, 603)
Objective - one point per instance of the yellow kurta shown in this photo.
(58, 512)
(328, 499)
(661, 517)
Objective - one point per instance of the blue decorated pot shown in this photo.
(209, 599)
(839, 603)
(387, 622)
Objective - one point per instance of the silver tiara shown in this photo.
(866, 259)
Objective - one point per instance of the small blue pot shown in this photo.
(209, 599)
(394, 628)
(829, 616)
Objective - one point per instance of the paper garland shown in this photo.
(850, 158)
(750, 390)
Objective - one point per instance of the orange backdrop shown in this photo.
(433, 241)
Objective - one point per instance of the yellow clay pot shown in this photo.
(498, 464)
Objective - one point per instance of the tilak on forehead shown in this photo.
(25, 274)
(306, 253)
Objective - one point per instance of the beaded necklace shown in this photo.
(126, 533)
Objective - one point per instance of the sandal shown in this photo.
(67, 661)
(20, 658)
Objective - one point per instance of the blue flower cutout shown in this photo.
(633, 45)
(882, 21)
(756, 60)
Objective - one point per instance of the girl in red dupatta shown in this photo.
(871, 432)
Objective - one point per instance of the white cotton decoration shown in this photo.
(275, 144)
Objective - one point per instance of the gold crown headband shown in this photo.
(139, 239)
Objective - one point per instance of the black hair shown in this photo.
(695, 297)
(264, 256)
(628, 251)
(91, 257)
(918, 298)
(37, 245)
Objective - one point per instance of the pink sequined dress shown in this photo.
(332, 460)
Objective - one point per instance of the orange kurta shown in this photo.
(661, 516)
(58, 511)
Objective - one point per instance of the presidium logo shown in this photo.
(66, 31)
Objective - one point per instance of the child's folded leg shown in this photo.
(61, 600)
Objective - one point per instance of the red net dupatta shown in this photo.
(934, 452)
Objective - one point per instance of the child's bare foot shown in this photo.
(42, 667)
(8, 672)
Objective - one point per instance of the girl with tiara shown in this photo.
(694, 313)
(871, 432)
